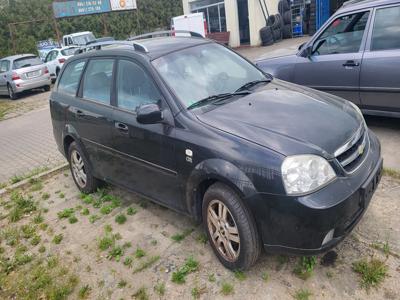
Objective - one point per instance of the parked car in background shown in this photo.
(192, 22)
(78, 38)
(21, 73)
(194, 126)
(355, 55)
(56, 58)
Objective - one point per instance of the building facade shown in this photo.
(242, 18)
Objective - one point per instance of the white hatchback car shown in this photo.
(56, 58)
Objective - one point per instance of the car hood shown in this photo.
(287, 118)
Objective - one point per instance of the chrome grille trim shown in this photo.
(350, 143)
(355, 154)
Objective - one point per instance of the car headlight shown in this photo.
(305, 173)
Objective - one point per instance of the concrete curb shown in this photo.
(25, 182)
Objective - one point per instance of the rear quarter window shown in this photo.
(70, 78)
(26, 62)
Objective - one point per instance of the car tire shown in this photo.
(287, 31)
(57, 72)
(235, 242)
(287, 17)
(81, 170)
(283, 6)
(277, 34)
(266, 34)
(46, 88)
(11, 93)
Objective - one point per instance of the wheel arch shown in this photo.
(209, 172)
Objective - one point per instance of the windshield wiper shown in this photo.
(215, 98)
(252, 83)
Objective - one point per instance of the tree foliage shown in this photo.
(151, 15)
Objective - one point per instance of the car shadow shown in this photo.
(24, 94)
(383, 122)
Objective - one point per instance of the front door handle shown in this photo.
(351, 63)
(121, 127)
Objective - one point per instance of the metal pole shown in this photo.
(265, 17)
(56, 29)
(104, 20)
(12, 38)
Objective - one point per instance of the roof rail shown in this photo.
(97, 46)
(167, 33)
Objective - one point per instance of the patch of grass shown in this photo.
(45, 196)
(66, 213)
(127, 245)
(391, 173)
(72, 219)
(42, 249)
(58, 238)
(85, 211)
(265, 276)
(35, 240)
(61, 195)
(11, 235)
(302, 294)
(128, 261)
(28, 231)
(108, 228)
(121, 284)
(384, 247)
(106, 242)
(191, 265)
(227, 289)
(16, 178)
(87, 199)
(93, 218)
(305, 267)
(106, 209)
(36, 184)
(202, 238)
(181, 236)
(159, 288)
(120, 219)
(116, 253)
(239, 275)
(84, 292)
(131, 211)
(211, 278)
(282, 260)
(196, 292)
(139, 253)
(20, 206)
(372, 272)
(146, 264)
(43, 226)
(38, 219)
(141, 294)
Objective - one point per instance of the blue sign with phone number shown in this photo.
(80, 7)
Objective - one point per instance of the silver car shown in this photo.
(355, 55)
(21, 73)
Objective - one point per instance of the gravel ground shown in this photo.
(152, 227)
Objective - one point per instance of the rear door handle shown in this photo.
(351, 63)
(121, 127)
(80, 113)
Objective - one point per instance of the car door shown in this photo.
(146, 153)
(49, 61)
(380, 72)
(90, 113)
(335, 60)
(3, 77)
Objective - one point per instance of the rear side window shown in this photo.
(97, 80)
(26, 62)
(386, 32)
(134, 86)
(70, 78)
(4, 66)
(69, 51)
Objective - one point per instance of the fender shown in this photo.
(217, 170)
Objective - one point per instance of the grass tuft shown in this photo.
(159, 288)
(146, 264)
(58, 238)
(84, 292)
(302, 294)
(120, 219)
(372, 272)
(190, 266)
(305, 267)
(181, 236)
(227, 289)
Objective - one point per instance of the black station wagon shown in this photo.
(196, 127)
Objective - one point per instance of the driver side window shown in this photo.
(343, 35)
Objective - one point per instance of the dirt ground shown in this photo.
(28, 101)
(151, 228)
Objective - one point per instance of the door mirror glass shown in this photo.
(301, 46)
(149, 114)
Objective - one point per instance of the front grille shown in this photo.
(357, 149)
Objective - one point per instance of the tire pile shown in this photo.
(279, 26)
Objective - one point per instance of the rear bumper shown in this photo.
(315, 223)
(25, 85)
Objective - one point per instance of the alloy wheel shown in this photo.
(78, 168)
(10, 92)
(223, 230)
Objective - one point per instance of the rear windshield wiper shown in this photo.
(252, 83)
(215, 98)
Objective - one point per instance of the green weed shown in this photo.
(372, 272)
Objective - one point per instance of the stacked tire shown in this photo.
(286, 14)
(276, 22)
(266, 34)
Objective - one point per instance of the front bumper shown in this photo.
(300, 225)
(25, 85)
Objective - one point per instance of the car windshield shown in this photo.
(83, 39)
(69, 51)
(203, 71)
(26, 62)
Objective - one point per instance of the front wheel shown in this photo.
(11, 93)
(230, 228)
(81, 171)
(46, 88)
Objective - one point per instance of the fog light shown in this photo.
(328, 237)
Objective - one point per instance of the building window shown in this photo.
(214, 13)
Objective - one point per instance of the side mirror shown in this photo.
(307, 52)
(149, 114)
(301, 46)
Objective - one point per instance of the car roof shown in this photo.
(77, 33)
(155, 47)
(360, 4)
(15, 57)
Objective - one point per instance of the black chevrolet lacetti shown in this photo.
(196, 127)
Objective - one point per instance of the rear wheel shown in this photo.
(230, 228)
(11, 93)
(81, 171)
(46, 88)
